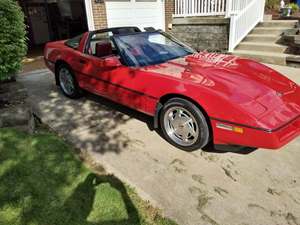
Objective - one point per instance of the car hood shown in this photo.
(228, 73)
(249, 85)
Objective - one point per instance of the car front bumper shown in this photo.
(258, 138)
(49, 64)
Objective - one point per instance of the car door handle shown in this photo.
(81, 61)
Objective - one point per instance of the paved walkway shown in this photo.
(198, 188)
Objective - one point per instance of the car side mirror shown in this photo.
(112, 62)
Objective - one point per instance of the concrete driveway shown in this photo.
(261, 187)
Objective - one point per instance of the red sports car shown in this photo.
(194, 97)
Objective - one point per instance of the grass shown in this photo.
(42, 182)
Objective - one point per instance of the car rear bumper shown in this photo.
(256, 137)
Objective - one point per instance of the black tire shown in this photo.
(204, 131)
(77, 92)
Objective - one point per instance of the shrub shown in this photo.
(294, 6)
(12, 38)
(272, 4)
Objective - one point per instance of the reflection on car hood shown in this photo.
(241, 81)
(227, 73)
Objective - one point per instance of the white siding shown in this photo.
(131, 13)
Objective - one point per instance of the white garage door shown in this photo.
(140, 13)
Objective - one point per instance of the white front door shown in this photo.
(140, 13)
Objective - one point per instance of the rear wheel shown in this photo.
(67, 82)
(184, 125)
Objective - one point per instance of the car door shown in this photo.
(88, 66)
(99, 76)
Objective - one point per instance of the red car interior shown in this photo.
(103, 49)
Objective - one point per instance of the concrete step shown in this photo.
(268, 17)
(264, 57)
(262, 38)
(279, 23)
(261, 46)
(293, 60)
(269, 30)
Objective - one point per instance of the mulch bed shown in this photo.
(276, 15)
(14, 110)
(12, 93)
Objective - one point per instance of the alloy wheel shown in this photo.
(181, 126)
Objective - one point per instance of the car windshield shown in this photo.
(150, 48)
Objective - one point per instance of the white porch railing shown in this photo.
(244, 14)
(184, 8)
(237, 5)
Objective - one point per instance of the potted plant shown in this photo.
(286, 11)
(294, 7)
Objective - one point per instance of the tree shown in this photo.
(13, 45)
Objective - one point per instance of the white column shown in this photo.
(263, 10)
(228, 8)
(89, 14)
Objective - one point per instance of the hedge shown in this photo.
(13, 45)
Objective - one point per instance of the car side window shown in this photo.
(74, 42)
(101, 45)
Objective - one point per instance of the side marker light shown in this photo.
(230, 128)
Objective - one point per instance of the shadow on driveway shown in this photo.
(92, 122)
(222, 149)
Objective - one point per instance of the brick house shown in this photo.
(50, 20)
(217, 25)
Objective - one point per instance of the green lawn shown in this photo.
(43, 183)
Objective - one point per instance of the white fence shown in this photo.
(185, 8)
(237, 5)
(244, 14)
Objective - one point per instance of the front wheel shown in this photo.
(184, 125)
(67, 82)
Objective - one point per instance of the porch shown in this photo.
(231, 20)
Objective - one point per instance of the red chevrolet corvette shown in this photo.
(194, 97)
